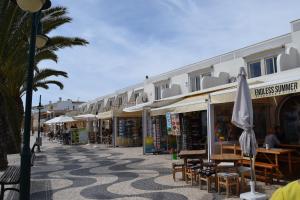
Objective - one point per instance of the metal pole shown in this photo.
(39, 126)
(26, 154)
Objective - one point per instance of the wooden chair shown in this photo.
(177, 167)
(191, 172)
(207, 174)
(234, 148)
(228, 180)
(244, 170)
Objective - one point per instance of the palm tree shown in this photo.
(14, 34)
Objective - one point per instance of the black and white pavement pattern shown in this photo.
(83, 172)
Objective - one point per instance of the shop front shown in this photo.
(105, 133)
(129, 132)
(190, 113)
(91, 125)
(276, 110)
(120, 129)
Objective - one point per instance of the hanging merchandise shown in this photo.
(130, 132)
(194, 130)
(107, 132)
(169, 123)
(175, 124)
(156, 130)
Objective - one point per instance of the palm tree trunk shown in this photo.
(3, 137)
(14, 115)
(20, 118)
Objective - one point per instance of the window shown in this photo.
(159, 87)
(166, 85)
(255, 69)
(157, 92)
(120, 101)
(136, 95)
(271, 65)
(195, 81)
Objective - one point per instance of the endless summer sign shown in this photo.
(278, 89)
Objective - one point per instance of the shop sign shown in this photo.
(169, 123)
(175, 124)
(278, 89)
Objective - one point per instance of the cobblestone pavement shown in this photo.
(94, 172)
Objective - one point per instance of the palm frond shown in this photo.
(55, 22)
(45, 55)
(59, 42)
(45, 73)
(45, 84)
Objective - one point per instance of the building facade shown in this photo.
(54, 109)
(273, 69)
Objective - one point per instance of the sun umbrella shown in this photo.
(87, 117)
(242, 117)
(60, 119)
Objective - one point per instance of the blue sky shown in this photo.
(133, 38)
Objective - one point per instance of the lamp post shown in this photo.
(34, 7)
(39, 139)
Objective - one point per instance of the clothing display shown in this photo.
(129, 131)
(194, 130)
(106, 137)
(159, 133)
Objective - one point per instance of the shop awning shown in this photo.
(154, 104)
(137, 108)
(105, 115)
(189, 104)
(262, 90)
(60, 119)
(87, 117)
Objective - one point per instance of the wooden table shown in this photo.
(274, 151)
(226, 158)
(189, 154)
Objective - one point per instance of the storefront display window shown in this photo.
(194, 130)
(290, 120)
(130, 132)
(225, 131)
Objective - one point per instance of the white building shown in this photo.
(52, 110)
(270, 62)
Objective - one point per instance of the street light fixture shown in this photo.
(31, 5)
(35, 7)
(41, 41)
(39, 139)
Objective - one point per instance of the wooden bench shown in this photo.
(12, 174)
(268, 170)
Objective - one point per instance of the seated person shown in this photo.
(271, 139)
(289, 192)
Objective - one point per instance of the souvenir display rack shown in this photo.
(159, 133)
(130, 132)
(193, 132)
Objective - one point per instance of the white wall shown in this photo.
(182, 80)
(232, 67)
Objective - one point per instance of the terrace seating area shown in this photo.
(229, 172)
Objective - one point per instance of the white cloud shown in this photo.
(128, 42)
